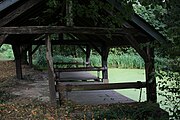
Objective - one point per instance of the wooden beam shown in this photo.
(96, 47)
(137, 47)
(84, 51)
(17, 12)
(6, 3)
(2, 39)
(107, 86)
(79, 69)
(51, 74)
(141, 23)
(17, 55)
(35, 49)
(30, 56)
(62, 42)
(64, 29)
(104, 58)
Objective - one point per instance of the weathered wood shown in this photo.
(2, 39)
(136, 46)
(108, 86)
(57, 64)
(64, 29)
(83, 50)
(51, 75)
(6, 3)
(17, 55)
(104, 57)
(79, 69)
(17, 12)
(62, 42)
(35, 49)
(150, 76)
(30, 56)
(96, 48)
(76, 76)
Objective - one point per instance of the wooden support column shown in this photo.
(30, 56)
(17, 56)
(104, 57)
(150, 76)
(51, 74)
(88, 53)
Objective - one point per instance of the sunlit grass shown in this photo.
(128, 75)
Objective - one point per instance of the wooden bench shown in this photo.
(67, 64)
(87, 86)
(98, 86)
(80, 73)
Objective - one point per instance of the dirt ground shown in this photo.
(33, 85)
(28, 99)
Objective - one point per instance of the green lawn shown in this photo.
(128, 75)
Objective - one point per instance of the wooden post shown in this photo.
(150, 76)
(30, 56)
(51, 74)
(17, 55)
(88, 53)
(104, 57)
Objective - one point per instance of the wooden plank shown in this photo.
(65, 29)
(107, 86)
(6, 3)
(17, 12)
(79, 69)
(75, 76)
(68, 63)
(51, 75)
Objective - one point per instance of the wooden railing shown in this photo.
(79, 69)
(83, 87)
(57, 64)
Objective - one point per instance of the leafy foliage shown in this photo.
(164, 16)
(169, 85)
(6, 52)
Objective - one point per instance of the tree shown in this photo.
(169, 73)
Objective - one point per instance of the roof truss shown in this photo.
(17, 12)
(65, 29)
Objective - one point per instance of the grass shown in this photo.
(128, 75)
(131, 75)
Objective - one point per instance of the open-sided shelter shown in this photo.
(18, 29)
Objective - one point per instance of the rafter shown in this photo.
(136, 46)
(17, 12)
